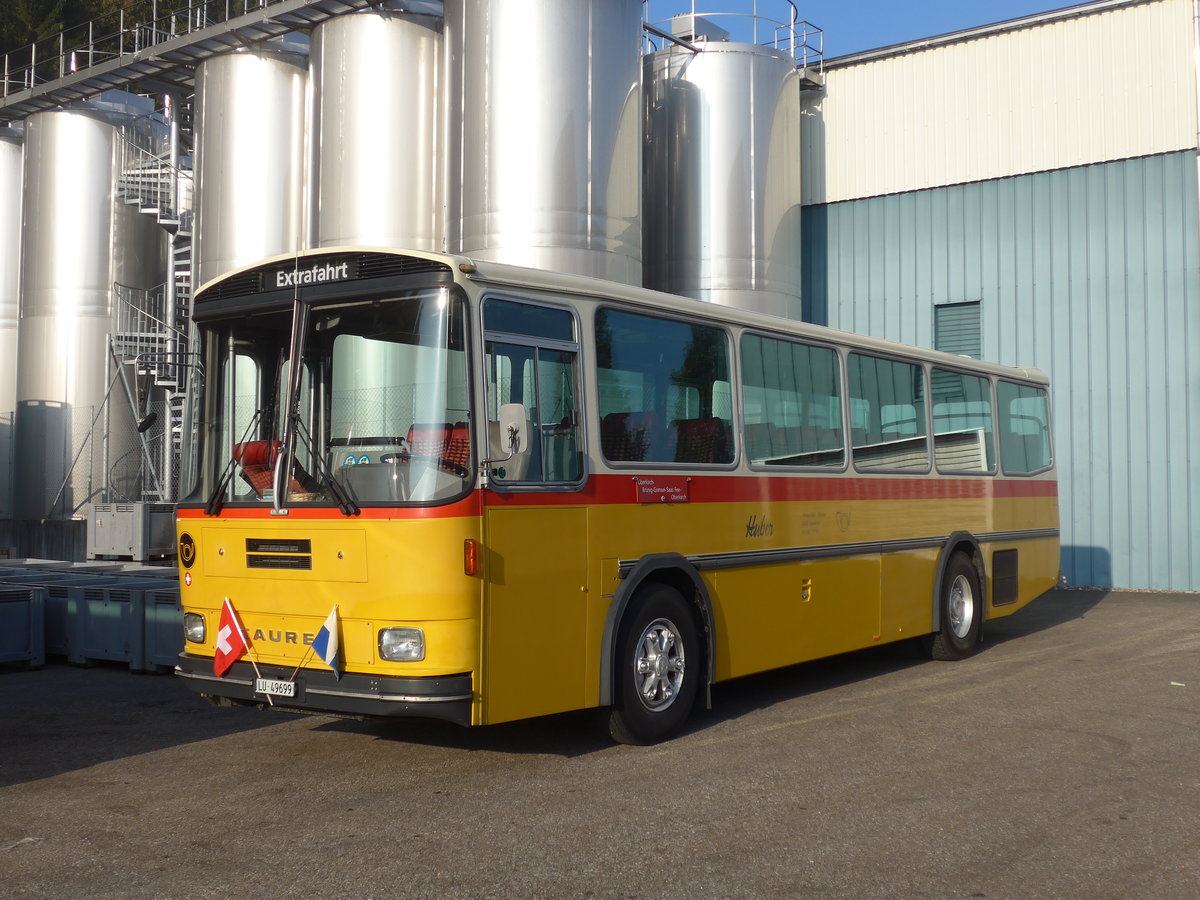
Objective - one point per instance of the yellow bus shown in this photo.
(489, 493)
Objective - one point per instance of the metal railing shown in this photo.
(143, 334)
(141, 311)
(770, 23)
(151, 180)
(152, 346)
(147, 472)
(146, 311)
(116, 35)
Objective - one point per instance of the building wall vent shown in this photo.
(957, 329)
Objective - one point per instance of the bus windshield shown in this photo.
(380, 416)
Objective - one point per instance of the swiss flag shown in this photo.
(231, 640)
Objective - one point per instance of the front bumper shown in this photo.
(446, 697)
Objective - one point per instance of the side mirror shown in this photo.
(513, 428)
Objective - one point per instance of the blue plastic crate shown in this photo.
(22, 625)
(164, 627)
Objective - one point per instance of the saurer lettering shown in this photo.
(281, 637)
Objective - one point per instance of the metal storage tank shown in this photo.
(378, 175)
(546, 134)
(722, 175)
(79, 240)
(11, 176)
(250, 171)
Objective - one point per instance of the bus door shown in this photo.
(535, 525)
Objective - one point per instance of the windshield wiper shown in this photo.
(287, 456)
(216, 499)
(343, 500)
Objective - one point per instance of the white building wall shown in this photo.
(1103, 82)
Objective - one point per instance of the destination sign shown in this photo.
(663, 488)
(319, 273)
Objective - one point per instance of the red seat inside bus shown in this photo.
(428, 440)
(626, 436)
(701, 441)
(258, 458)
(443, 442)
(458, 449)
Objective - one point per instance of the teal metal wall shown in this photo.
(1090, 274)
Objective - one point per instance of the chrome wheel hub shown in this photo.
(659, 665)
(962, 607)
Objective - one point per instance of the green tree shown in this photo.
(136, 11)
(25, 21)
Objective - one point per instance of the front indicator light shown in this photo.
(402, 644)
(193, 627)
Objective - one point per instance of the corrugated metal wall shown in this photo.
(1093, 88)
(1090, 274)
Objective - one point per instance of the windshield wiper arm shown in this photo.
(343, 500)
(216, 499)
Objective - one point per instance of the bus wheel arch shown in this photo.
(960, 583)
(674, 571)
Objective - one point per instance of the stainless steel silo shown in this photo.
(546, 134)
(250, 171)
(722, 175)
(11, 176)
(378, 173)
(79, 240)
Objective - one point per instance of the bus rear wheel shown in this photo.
(657, 667)
(961, 603)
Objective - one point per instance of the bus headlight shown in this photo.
(193, 627)
(402, 644)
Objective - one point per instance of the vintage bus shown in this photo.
(488, 493)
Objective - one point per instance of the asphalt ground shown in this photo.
(1061, 761)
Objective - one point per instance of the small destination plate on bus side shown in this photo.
(275, 687)
(662, 488)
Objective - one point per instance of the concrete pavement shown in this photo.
(1061, 761)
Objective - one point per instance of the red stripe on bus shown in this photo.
(610, 489)
(620, 489)
(1026, 489)
(468, 506)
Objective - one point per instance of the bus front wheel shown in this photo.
(657, 667)
(961, 602)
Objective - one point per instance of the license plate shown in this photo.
(275, 687)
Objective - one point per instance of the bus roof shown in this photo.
(484, 272)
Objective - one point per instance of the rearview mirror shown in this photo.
(513, 427)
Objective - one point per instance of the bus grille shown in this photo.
(237, 286)
(278, 545)
(271, 561)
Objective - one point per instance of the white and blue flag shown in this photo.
(325, 644)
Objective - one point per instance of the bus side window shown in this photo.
(559, 415)
(793, 407)
(1024, 428)
(962, 422)
(532, 367)
(887, 409)
(511, 380)
(663, 390)
(241, 387)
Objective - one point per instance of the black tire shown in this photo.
(960, 600)
(657, 667)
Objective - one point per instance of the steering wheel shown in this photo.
(442, 462)
(454, 468)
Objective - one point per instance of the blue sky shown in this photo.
(852, 25)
